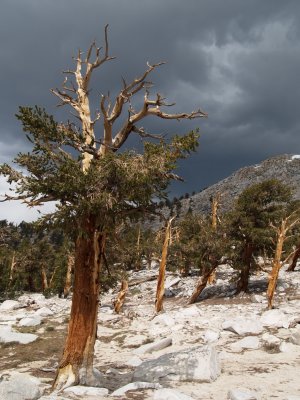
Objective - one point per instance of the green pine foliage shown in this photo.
(116, 185)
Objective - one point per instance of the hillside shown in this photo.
(283, 167)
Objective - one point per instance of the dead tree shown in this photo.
(160, 290)
(295, 258)
(201, 285)
(45, 285)
(215, 201)
(119, 302)
(12, 269)
(70, 269)
(281, 232)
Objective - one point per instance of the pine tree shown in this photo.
(94, 185)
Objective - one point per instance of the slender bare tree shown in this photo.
(281, 231)
(160, 290)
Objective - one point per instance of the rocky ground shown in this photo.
(223, 347)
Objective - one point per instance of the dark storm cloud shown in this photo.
(238, 60)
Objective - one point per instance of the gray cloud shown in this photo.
(238, 60)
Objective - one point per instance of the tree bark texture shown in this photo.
(68, 281)
(76, 366)
(276, 265)
(121, 296)
(12, 269)
(242, 285)
(44, 279)
(160, 291)
(202, 284)
(214, 211)
(212, 278)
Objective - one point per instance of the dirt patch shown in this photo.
(15, 355)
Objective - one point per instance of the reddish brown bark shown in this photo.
(243, 282)
(76, 365)
(160, 290)
(276, 265)
(202, 284)
(214, 218)
(212, 278)
(44, 279)
(121, 296)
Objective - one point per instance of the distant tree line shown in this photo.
(35, 259)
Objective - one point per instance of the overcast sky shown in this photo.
(239, 60)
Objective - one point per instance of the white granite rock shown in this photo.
(33, 299)
(134, 362)
(134, 341)
(286, 347)
(274, 319)
(135, 386)
(9, 305)
(198, 364)
(17, 386)
(169, 283)
(163, 320)
(295, 338)
(188, 312)
(241, 394)
(170, 394)
(271, 341)
(258, 298)
(30, 321)
(211, 336)
(54, 396)
(86, 391)
(155, 346)
(248, 342)
(7, 335)
(243, 326)
(44, 312)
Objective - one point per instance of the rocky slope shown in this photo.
(285, 167)
(223, 347)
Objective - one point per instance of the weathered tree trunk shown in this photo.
(68, 282)
(121, 296)
(52, 276)
(138, 250)
(185, 270)
(242, 285)
(212, 278)
(44, 279)
(12, 269)
(202, 284)
(276, 265)
(160, 291)
(294, 260)
(214, 212)
(76, 366)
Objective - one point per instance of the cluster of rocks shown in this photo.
(221, 348)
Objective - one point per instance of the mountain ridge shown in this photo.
(284, 167)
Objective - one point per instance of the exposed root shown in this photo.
(65, 378)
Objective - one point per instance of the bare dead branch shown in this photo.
(130, 89)
(141, 131)
(124, 132)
